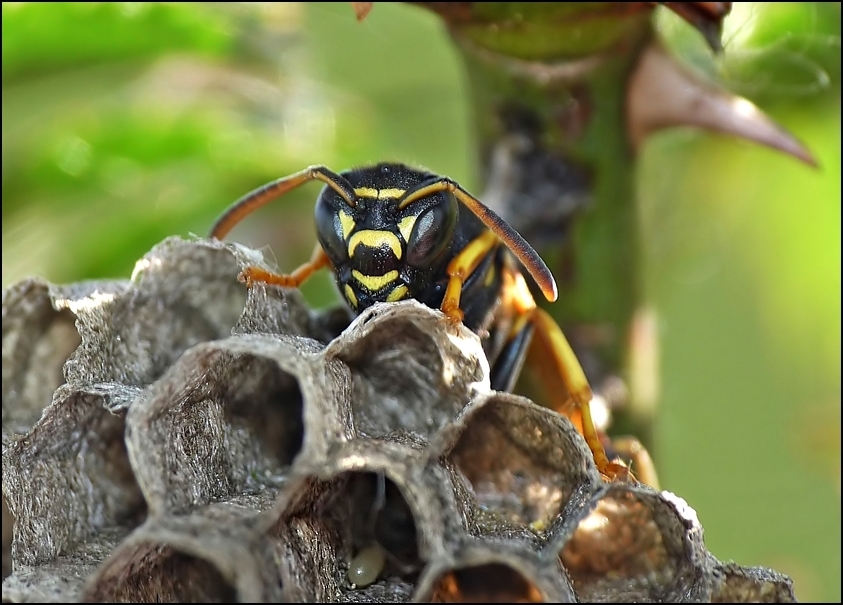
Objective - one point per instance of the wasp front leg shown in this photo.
(460, 269)
(630, 448)
(255, 275)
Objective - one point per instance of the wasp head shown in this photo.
(383, 250)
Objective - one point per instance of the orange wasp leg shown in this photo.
(633, 450)
(572, 375)
(460, 269)
(256, 275)
(563, 364)
(261, 196)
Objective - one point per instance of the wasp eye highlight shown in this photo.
(432, 233)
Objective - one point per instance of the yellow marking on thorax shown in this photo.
(379, 194)
(350, 297)
(373, 283)
(405, 226)
(398, 293)
(346, 222)
(375, 239)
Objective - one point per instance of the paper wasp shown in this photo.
(390, 232)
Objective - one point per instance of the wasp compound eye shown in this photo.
(332, 229)
(432, 233)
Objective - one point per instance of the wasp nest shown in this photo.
(173, 437)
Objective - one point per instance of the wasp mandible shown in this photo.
(390, 232)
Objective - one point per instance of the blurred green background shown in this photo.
(124, 123)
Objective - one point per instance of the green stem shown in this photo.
(547, 87)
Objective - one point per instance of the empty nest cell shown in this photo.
(631, 543)
(411, 372)
(155, 572)
(485, 583)
(263, 405)
(38, 338)
(522, 463)
(209, 555)
(68, 478)
(493, 571)
(227, 418)
(736, 584)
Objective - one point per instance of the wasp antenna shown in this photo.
(264, 194)
(513, 240)
(531, 260)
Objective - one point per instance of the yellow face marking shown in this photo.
(398, 293)
(390, 194)
(405, 226)
(350, 297)
(375, 239)
(379, 194)
(346, 222)
(366, 192)
(373, 283)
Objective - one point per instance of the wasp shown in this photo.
(390, 232)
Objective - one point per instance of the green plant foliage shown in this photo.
(49, 37)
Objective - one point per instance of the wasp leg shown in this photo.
(579, 391)
(510, 237)
(459, 270)
(557, 362)
(632, 449)
(256, 275)
(508, 364)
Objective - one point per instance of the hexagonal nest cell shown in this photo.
(175, 437)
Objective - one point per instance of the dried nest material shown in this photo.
(172, 437)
